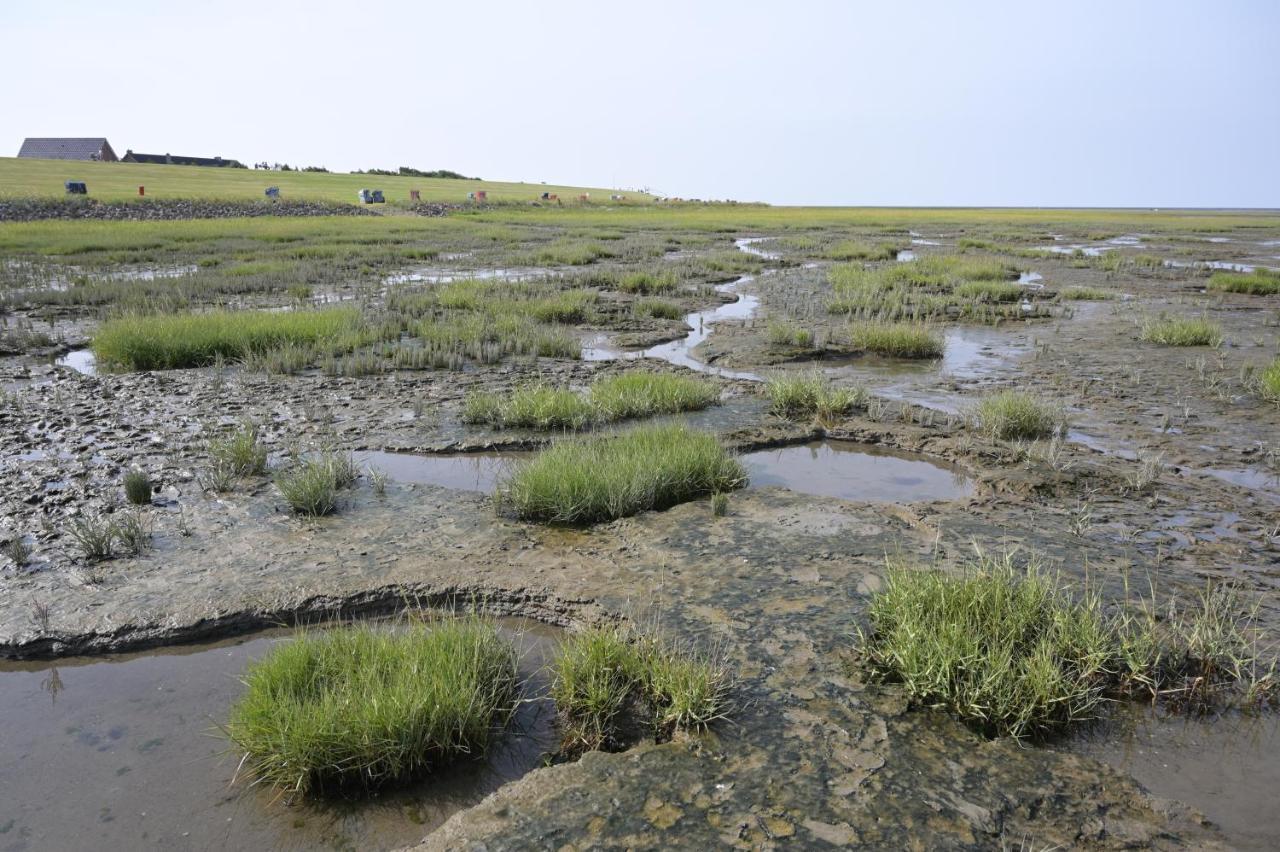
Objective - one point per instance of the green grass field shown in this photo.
(28, 178)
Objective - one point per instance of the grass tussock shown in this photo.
(1086, 294)
(311, 487)
(137, 488)
(898, 339)
(1269, 382)
(173, 341)
(595, 478)
(362, 706)
(788, 334)
(1012, 652)
(1182, 331)
(1260, 282)
(800, 396)
(859, 250)
(612, 683)
(657, 309)
(1016, 416)
(609, 399)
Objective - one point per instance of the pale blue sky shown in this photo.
(1020, 103)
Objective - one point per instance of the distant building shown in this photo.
(179, 160)
(46, 148)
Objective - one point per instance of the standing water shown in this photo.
(124, 753)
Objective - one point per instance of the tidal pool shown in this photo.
(1227, 767)
(461, 471)
(853, 471)
(124, 753)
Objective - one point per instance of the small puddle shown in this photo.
(1087, 251)
(853, 471)
(906, 255)
(460, 471)
(122, 752)
(80, 360)
(1227, 767)
(1217, 264)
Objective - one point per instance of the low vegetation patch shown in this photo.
(361, 706)
(535, 407)
(1260, 282)
(609, 399)
(1016, 416)
(595, 478)
(311, 487)
(898, 339)
(173, 341)
(800, 396)
(1269, 381)
(612, 684)
(788, 334)
(857, 250)
(657, 309)
(1011, 651)
(1086, 294)
(1181, 331)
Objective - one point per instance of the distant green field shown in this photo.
(118, 181)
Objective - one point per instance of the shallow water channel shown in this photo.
(841, 469)
(123, 752)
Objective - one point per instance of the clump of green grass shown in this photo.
(96, 537)
(858, 250)
(362, 706)
(783, 333)
(239, 455)
(1086, 294)
(536, 407)
(1269, 381)
(311, 487)
(1182, 331)
(898, 339)
(1014, 415)
(636, 394)
(798, 396)
(172, 341)
(137, 488)
(610, 679)
(595, 478)
(1260, 282)
(1012, 652)
(719, 505)
(648, 283)
(657, 309)
(610, 398)
(989, 291)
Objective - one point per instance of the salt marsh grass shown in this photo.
(1182, 331)
(137, 488)
(1269, 381)
(1012, 651)
(609, 677)
(535, 407)
(898, 339)
(797, 396)
(364, 705)
(610, 398)
(1260, 282)
(1016, 416)
(656, 309)
(1086, 294)
(595, 478)
(171, 341)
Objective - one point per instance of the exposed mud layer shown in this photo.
(810, 755)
